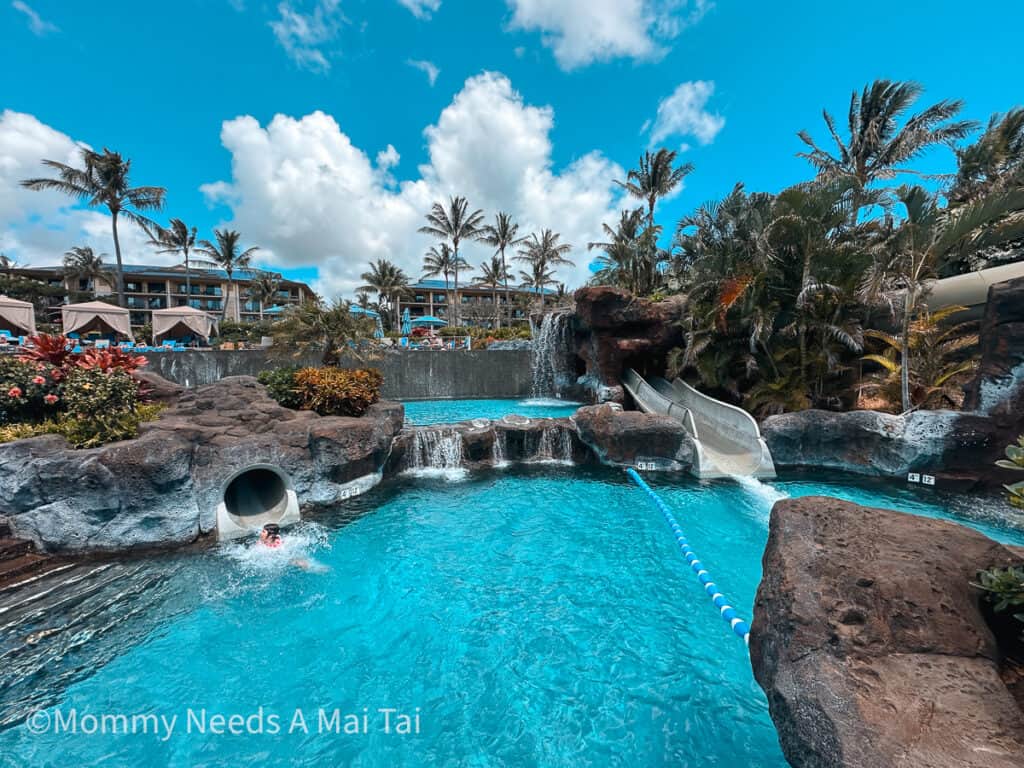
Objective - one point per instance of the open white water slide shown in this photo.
(727, 439)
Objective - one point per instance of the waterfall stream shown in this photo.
(551, 345)
(436, 452)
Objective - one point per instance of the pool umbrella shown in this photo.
(378, 329)
(406, 324)
(430, 321)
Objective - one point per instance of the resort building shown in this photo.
(477, 305)
(162, 287)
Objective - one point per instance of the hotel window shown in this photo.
(133, 287)
(420, 298)
(156, 287)
(440, 298)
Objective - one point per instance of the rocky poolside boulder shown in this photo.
(163, 488)
(871, 645)
(864, 442)
(626, 437)
(614, 330)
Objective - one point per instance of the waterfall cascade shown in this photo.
(499, 449)
(435, 451)
(552, 340)
(555, 445)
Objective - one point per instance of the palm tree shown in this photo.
(655, 178)
(227, 254)
(493, 275)
(909, 256)
(537, 279)
(501, 235)
(994, 160)
(103, 181)
(388, 282)
(877, 148)
(543, 252)
(7, 264)
(455, 224)
(80, 263)
(177, 238)
(439, 261)
(619, 264)
(264, 288)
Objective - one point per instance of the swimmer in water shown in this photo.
(270, 536)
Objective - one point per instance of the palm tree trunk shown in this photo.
(803, 326)
(261, 310)
(905, 351)
(504, 273)
(119, 275)
(455, 296)
(188, 281)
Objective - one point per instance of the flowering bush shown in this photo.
(90, 398)
(328, 391)
(28, 391)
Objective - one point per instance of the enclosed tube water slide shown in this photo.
(727, 440)
(970, 289)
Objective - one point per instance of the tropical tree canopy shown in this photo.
(103, 181)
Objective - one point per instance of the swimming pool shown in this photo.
(422, 412)
(533, 616)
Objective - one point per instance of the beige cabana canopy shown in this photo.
(181, 321)
(96, 316)
(17, 316)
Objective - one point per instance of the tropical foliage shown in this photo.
(816, 294)
(1015, 460)
(328, 391)
(90, 399)
(226, 253)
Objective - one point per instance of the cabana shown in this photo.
(177, 322)
(96, 316)
(18, 317)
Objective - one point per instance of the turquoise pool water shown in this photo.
(534, 617)
(420, 412)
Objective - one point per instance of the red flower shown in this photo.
(50, 399)
(38, 380)
(14, 392)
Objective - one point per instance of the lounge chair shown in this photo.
(102, 344)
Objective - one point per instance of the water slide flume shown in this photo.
(727, 440)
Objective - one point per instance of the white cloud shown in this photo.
(304, 36)
(421, 9)
(580, 32)
(388, 158)
(303, 191)
(684, 113)
(36, 23)
(38, 227)
(426, 67)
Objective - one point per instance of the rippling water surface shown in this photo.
(529, 617)
(421, 412)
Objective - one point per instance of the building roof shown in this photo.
(174, 270)
(438, 285)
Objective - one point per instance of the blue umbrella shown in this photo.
(378, 329)
(429, 320)
(406, 324)
(355, 309)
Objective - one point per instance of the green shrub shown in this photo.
(249, 332)
(88, 432)
(280, 384)
(92, 393)
(1004, 589)
(1014, 460)
(96, 430)
(338, 391)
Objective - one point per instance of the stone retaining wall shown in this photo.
(407, 375)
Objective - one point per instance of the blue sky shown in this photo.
(537, 105)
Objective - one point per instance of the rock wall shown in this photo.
(407, 375)
(870, 643)
(614, 330)
(163, 488)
